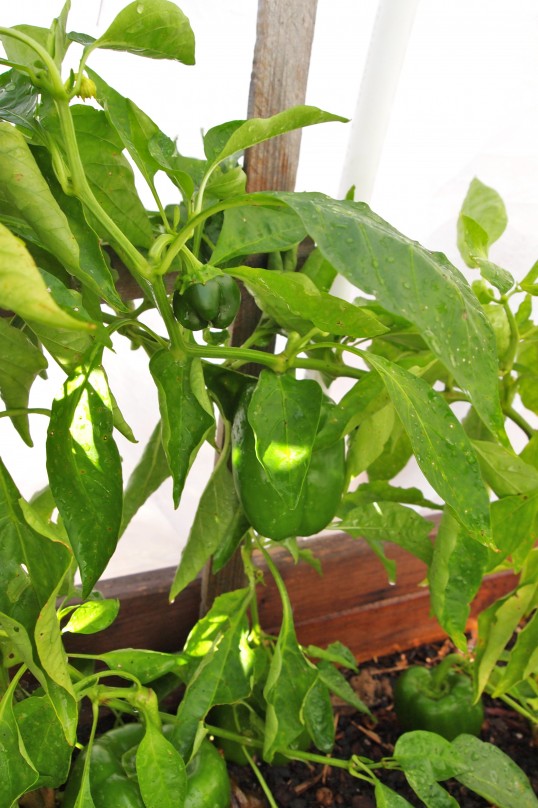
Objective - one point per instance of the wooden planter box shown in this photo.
(351, 602)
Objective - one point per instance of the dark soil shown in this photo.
(298, 785)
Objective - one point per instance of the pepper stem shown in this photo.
(440, 672)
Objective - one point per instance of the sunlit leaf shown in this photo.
(408, 280)
(284, 413)
(84, 468)
(23, 290)
(154, 28)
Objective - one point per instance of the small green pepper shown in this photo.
(440, 700)
(213, 303)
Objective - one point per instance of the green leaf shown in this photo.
(425, 759)
(284, 414)
(154, 28)
(160, 770)
(32, 570)
(18, 99)
(60, 41)
(493, 775)
(365, 397)
(219, 519)
(93, 616)
(44, 740)
(23, 290)
(295, 302)
(186, 420)
(17, 772)
(92, 269)
(529, 285)
(335, 652)
(339, 685)
(84, 468)
(21, 53)
(454, 576)
(230, 138)
(109, 174)
(67, 347)
(496, 625)
(394, 457)
(496, 275)
(381, 491)
(218, 665)
(484, 208)
(20, 363)
(366, 444)
(501, 327)
(523, 659)
(31, 565)
(390, 521)
(319, 270)
(134, 127)
(514, 526)
(412, 282)
(24, 186)
(503, 470)
(255, 229)
(527, 373)
(385, 797)
(289, 678)
(147, 666)
(226, 386)
(148, 475)
(317, 713)
(441, 447)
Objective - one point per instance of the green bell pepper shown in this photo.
(261, 502)
(213, 303)
(440, 700)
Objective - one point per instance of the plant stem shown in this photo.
(228, 735)
(11, 413)
(81, 189)
(172, 326)
(287, 617)
(245, 355)
(189, 229)
(260, 778)
(54, 81)
(518, 419)
(439, 673)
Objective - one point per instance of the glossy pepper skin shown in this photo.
(214, 303)
(445, 707)
(208, 784)
(320, 497)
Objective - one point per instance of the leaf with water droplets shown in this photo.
(454, 576)
(493, 775)
(408, 280)
(441, 447)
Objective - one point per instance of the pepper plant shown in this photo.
(417, 338)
